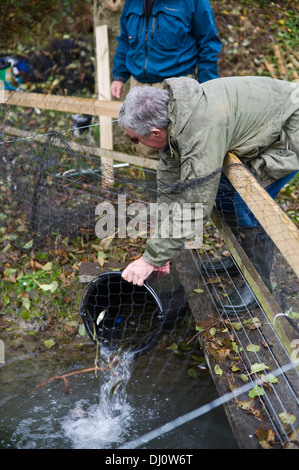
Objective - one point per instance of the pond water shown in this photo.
(104, 410)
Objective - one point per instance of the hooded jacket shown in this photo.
(256, 118)
(179, 36)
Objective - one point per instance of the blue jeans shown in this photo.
(229, 200)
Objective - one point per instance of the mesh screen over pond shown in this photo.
(50, 189)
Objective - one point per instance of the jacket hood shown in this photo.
(186, 92)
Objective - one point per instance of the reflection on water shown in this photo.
(107, 410)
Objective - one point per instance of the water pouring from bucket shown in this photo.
(122, 317)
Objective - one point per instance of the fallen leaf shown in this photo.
(48, 287)
(199, 291)
(287, 418)
(49, 343)
(244, 377)
(248, 407)
(47, 267)
(5, 324)
(270, 378)
(82, 330)
(101, 261)
(26, 303)
(253, 348)
(258, 367)
(237, 326)
(253, 323)
(28, 245)
(256, 392)
(294, 436)
(266, 437)
(218, 370)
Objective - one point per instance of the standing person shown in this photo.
(194, 126)
(160, 39)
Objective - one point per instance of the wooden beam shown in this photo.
(104, 93)
(65, 104)
(276, 223)
(118, 156)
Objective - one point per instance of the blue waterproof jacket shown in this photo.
(180, 36)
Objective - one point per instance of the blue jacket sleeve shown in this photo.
(208, 42)
(120, 71)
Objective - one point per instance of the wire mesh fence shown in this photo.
(50, 194)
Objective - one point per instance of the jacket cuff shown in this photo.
(152, 257)
(119, 79)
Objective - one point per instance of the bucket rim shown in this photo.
(118, 274)
(139, 350)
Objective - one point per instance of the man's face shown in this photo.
(156, 140)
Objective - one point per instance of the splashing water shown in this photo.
(96, 422)
(103, 424)
(108, 410)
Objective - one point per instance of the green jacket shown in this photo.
(256, 118)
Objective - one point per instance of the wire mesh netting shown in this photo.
(50, 191)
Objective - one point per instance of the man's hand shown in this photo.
(117, 89)
(138, 271)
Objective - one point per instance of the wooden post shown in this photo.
(104, 93)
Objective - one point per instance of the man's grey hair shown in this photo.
(144, 109)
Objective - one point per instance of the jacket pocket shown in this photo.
(134, 28)
(175, 21)
(276, 161)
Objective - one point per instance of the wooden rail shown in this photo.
(66, 104)
(94, 151)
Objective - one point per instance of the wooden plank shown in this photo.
(284, 329)
(67, 104)
(119, 156)
(226, 363)
(104, 93)
(276, 223)
(89, 271)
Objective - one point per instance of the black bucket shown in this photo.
(122, 317)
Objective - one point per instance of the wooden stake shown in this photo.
(291, 51)
(280, 61)
(104, 93)
(270, 69)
